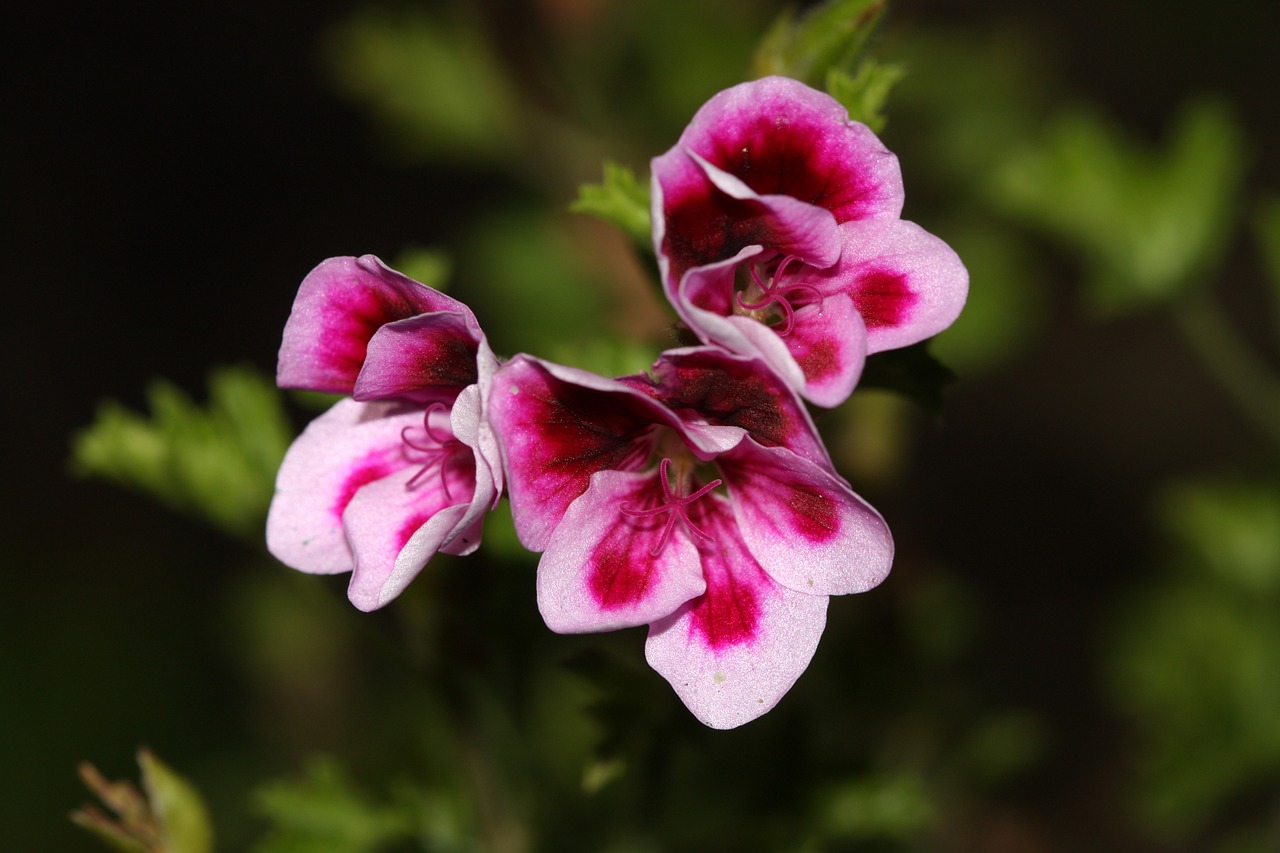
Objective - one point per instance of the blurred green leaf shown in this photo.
(432, 83)
(431, 267)
(1231, 529)
(1148, 223)
(831, 35)
(865, 93)
(169, 818)
(1266, 228)
(218, 462)
(325, 811)
(621, 200)
(895, 806)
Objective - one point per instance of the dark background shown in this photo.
(173, 170)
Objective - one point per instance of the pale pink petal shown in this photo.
(828, 342)
(907, 284)
(427, 358)
(733, 652)
(775, 137)
(396, 525)
(345, 449)
(804, 524)
(607, 568)
(339, 306)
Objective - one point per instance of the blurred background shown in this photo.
(1079, 647)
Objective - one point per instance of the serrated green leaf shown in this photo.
(832, 35)
(217, 462)
(1147, 223)
(620, 199)
(180, 812)
(865, 94)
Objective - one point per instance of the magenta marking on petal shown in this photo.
(616, 578)
(883, 298)
(727, 614)
(814, 515)
(355, 316)
(410, 526)
(819, 361)
(372, 467)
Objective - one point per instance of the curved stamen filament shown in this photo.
(675, 506)
(775, 292)
(440, 448)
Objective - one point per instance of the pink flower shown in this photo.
(698, 501)
(777, 229)
(408, 465)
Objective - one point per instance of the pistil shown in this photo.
(674, 505)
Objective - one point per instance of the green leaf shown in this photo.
(180, 813)
(1266, 228)
(1148, 223)
(865, 94)
(832, 35)
(621, 199)
(325, 811)
(431, 267)
(910, 371)
(217, 463)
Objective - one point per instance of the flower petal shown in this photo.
(558, 426)
(339, 453)
(907, 284)
(733, 652)
(707, 385)
(775, 137)
(399, 523)
(829, 344)
(427, 358)
(804, 524)
(607, 568)
(339, 306)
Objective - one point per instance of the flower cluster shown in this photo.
(697, 499)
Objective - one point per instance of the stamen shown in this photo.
(675, 506)
(774, 292)
(440, 448)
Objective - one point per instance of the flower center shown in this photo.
(431, 447)
(674, 505)
(771, 295)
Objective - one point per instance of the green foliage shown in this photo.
(865, 93)
(167, 816)
(431, 267)
(431, 83)
(621, 200)
(1147, 223)
(325, 811)
(897, 807)
(1266, 227)
(1195, 660)
(217, 463)
(831, 35)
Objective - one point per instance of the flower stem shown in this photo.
(1253, 388)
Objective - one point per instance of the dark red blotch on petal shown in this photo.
(813, 514)
(727, 614)
(360, 312)
(728, 393)
(618, 576)
(373, 467)
(819, 361)
(883, 298)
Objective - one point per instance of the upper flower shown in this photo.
(699, 501)
(406, 467)
(776, 224)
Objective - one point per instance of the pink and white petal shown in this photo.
(780, 136)
(732, 653)
(339, 306)
(907, 284)
(339, 453)
(395, 526)
(557, 426)
(427, 358)
(829, 344)
(804, 524)
(606, 569)
(710, 386)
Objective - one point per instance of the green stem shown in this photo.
(1236, 367)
